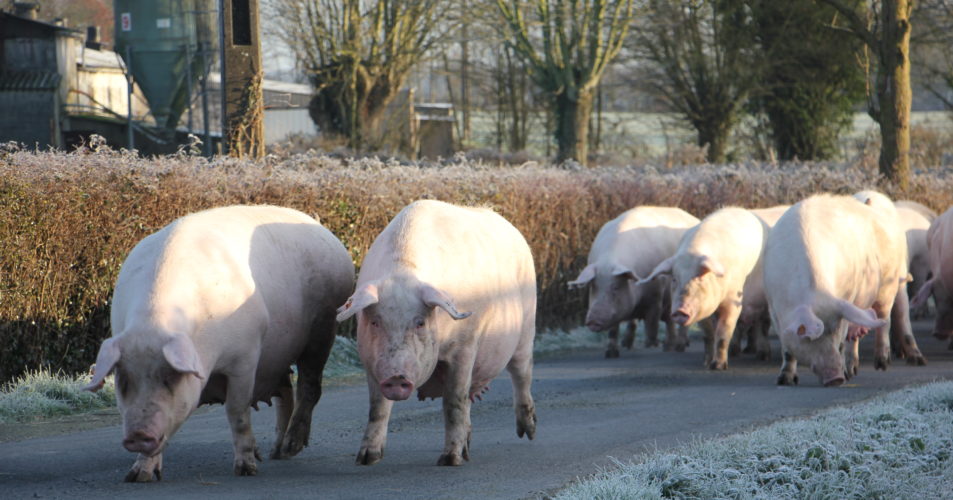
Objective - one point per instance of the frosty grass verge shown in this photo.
(897, 446)
(45, 394)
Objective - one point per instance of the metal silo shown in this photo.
(159, 39)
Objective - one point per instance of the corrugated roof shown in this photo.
(29, 80)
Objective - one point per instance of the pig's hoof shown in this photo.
(880, 363)
(764, 356)
(243, 468)
(749, 349)
(681, 347)
(526, 422)
(917, 359)
(453, 459)
(649, 344)
(718, 365)
(612, 352)
(292, 444)
(787, 379)
(137, 475)
(368, 456)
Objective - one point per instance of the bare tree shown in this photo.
(567, 49)
(357, 54)
(700, 63)
(885, 30)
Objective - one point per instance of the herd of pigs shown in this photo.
(217, 306)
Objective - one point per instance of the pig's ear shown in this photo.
(365, 296)
(805, 323)
(588, 274)
(861, 317)
(923, 294)
(709, 265)
(105, 362)
(664, 267)
(181, 354)
(625, 272)
(438, 298)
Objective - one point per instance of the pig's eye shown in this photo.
(169, 380)
(376, 323)
(419, 322)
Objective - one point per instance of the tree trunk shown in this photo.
(896, 96)
(572, 126)
(714, 135)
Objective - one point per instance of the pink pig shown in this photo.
(215, 307)
(431, 262)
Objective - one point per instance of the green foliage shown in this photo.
(810, 79)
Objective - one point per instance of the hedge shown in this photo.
(69, 219)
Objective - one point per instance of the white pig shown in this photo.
(626, 249)
(215, 307)
(709, 271)
(754, 321)
(902, 341)
(940, 285)
(915, 220)
(830, 261)
(431, 262)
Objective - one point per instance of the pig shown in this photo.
(709, 271)
(915, 220)
(626, 249)
(902, 341)
(445, 299)
(940, 285)
(829, 263)
(754, 321)
(215, 307)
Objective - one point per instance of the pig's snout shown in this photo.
(595, 325)
(834, 381)
(397, 388)
(141, 442)
(682, 316)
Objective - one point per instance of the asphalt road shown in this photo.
(589, 408)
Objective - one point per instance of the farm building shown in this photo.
(58, 85)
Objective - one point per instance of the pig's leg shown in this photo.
(146, 469)
(238, 409)
(628, 339)
(650, 323)
(788, 375)
(724, 329)
(734, 346)
(375, 435)
(900, 325)
(456, 409)
(882, 337)
(521, 373)
(851, 352)
(612, 351)
(708, 328)
(284, 405)
(310, 368)
(762, 342)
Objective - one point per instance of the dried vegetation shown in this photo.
(69, 219)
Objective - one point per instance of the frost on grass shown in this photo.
(43, 394)
(344, 360)
(893, 448)
(560, 341)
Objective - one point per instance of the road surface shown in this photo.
(590, 409)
